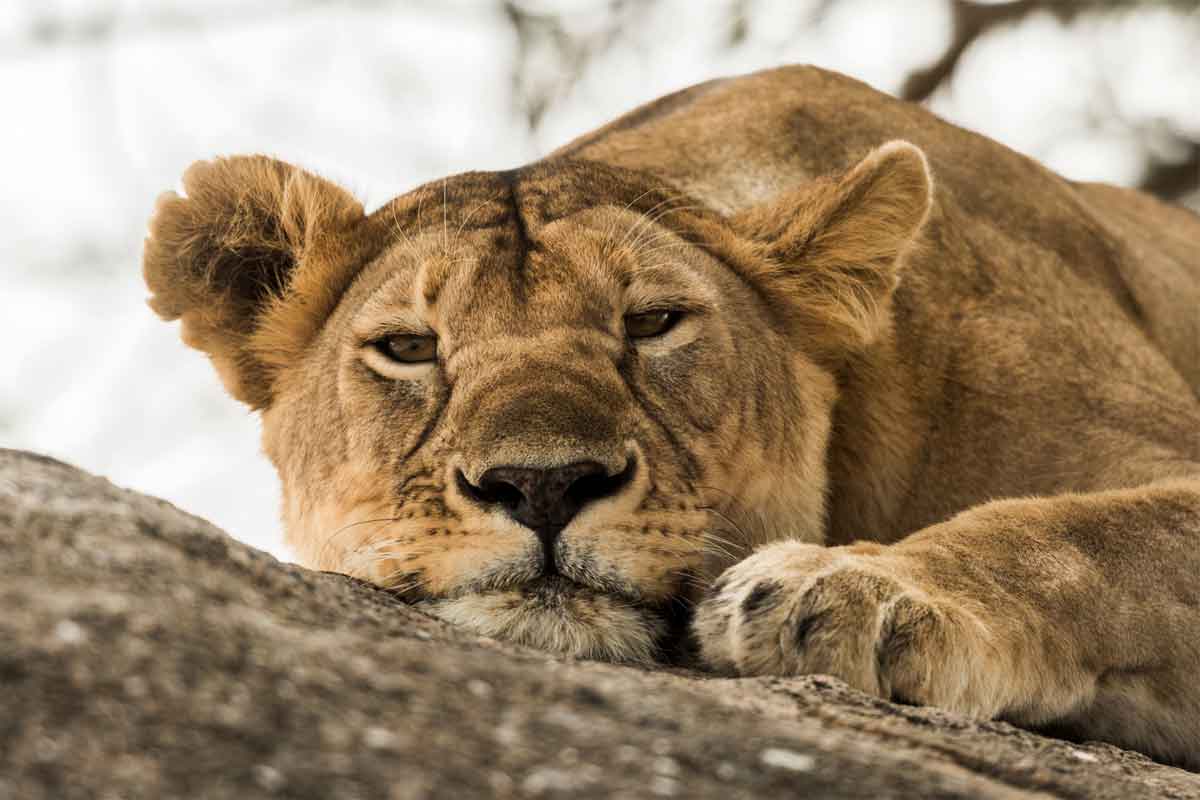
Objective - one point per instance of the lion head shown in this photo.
(549, 404)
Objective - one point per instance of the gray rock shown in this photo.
(145, 654)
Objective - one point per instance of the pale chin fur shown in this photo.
(589, 625)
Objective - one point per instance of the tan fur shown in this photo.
(930, 422)
(250, 231)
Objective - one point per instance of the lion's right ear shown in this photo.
(833, 250)
(252, 259)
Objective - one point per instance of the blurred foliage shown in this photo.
(1173, 180)
(555, 49)
(549, 34)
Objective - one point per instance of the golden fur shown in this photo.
(929, 421)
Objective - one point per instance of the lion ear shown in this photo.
(833, 250)
(247, 259)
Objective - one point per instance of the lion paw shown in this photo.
(796, 609)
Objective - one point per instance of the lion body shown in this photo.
(941, 440)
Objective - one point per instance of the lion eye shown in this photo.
(650, 323)
(408, 348)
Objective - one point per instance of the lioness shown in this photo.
(853, 390)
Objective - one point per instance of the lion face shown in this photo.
(548, 405)
(547, 431)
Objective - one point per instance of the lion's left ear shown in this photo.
(834, 248)
(252, 258)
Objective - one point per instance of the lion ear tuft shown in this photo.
(235, 250)
(834, 249)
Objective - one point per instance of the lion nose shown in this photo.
(545, 500)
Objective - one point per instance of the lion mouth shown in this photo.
(574, 578)
(560, 614)
(553, 588)
(559, 593)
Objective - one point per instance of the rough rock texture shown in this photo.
(144, 653)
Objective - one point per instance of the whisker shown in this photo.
(408, 241)
(654, 218)
(676, 209)
(329, 540)
(612, 228)
(743, 511)
(413, 583)
(462, 225)
(693, 581)
(653, 248)
(714, 543)
(734, 551)
(445, 224)
(658, 241)
(362, 560)
(647, 219)
(629, 205)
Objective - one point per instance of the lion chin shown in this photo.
(565, 619)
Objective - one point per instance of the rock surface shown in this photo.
(145, 654)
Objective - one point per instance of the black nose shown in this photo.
(545, 500)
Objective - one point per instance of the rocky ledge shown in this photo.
(146, 654)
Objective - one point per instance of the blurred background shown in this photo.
(107, 102)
